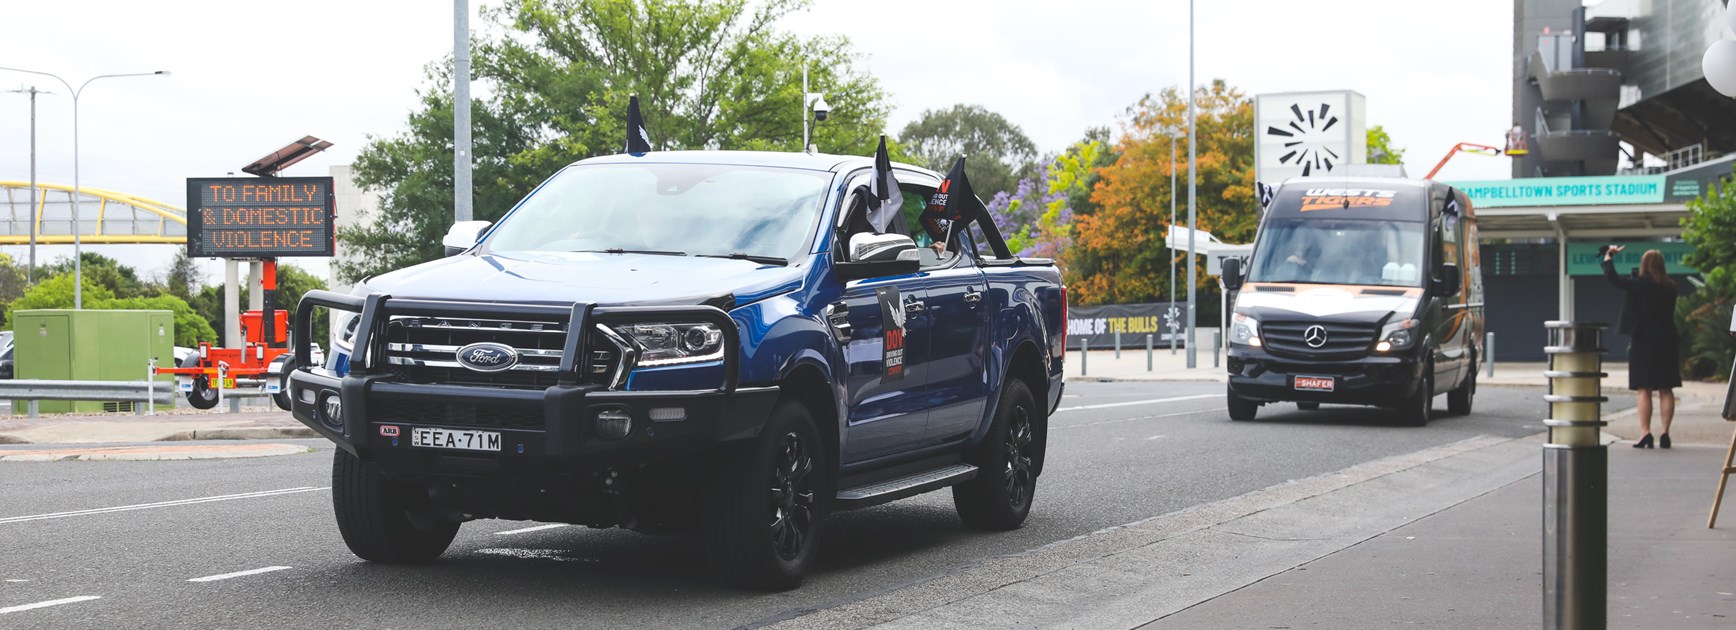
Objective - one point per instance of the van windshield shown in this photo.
(1325, 251)
(693, 209)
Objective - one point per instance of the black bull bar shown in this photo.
(737, 412)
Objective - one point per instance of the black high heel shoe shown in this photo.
(1646, 442)
(1664, 441)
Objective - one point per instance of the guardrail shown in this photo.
(141, 393)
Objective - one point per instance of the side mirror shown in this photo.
(880, 255)
(463, 236)
(1448, 284)
(1232, 274)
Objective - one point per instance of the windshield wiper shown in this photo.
(764, 260)
(617, 250)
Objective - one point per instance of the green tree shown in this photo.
(1381, 149)
(12, 285)
(997, 151)
(1118, 254)
(183, 276)
(1705, 316)
(106, 272)
(709, 74)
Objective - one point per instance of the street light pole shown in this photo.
(30, 271)
(1192, 214)
(461, 196)
(77, 242)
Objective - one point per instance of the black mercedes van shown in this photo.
(1362, 290)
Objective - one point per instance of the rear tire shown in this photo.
(1000, 496)
(1416, 409)
(766, 501)
(1241, 409)
(1308, 406)
(1459, 400)
(377, 515)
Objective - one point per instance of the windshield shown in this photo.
(1324, 251)
(692, 209)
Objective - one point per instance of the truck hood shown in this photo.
(1343, 303)
(608, 279)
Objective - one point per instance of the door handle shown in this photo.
(914, 306)
(973, 297)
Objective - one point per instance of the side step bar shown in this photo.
(895, 489)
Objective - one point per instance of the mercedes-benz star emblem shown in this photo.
(1315, 336)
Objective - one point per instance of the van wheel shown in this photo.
(765, 503)
(1308, 406)
(1459, 400)
(1241, 409)
(377, 516)
(999, 497)
(1415, 410)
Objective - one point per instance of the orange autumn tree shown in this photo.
(1118, 254)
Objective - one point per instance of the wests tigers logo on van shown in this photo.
(1336, 198)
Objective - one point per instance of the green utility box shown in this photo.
(86, 345)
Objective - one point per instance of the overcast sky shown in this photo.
(250, 77)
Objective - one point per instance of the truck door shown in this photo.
(957, 305)
(887, 358)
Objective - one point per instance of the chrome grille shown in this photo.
(1343, 341)
(424, 349)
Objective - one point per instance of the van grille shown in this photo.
(423, 350)
(1343, 341)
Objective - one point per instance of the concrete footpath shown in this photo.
(95, 428)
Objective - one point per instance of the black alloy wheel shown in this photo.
(792, 500)
(1008, 461)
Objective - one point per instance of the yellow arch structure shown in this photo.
(105, 216)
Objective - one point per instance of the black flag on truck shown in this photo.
(638, 142)
(887, 199)
(954, 202)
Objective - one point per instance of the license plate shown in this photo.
(459, 440)
(1316, 383)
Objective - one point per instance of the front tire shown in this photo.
(377, 516)
(766, 501)
(1416, 409)
(999, 497)
(1241, 409)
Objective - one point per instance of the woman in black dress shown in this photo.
(1649, 319)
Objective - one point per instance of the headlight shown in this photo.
(1245, 331)
(1397, 335)
(670, 344)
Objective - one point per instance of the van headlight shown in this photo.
(1397, 335)
(673, 343)
(1245, 331)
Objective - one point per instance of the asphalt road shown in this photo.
(155, 544)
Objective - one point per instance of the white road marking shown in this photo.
(1121, 420)
(225, 576)
(1152, 438)
(531, 529)
(52, 602)
(1140, 402)
(161, 504)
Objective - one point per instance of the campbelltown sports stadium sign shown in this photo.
(1564, 191)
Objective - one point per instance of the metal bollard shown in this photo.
(1575, 481)
(150, 389)
(1148, 353)
(1118, 345)
(1217, 347)
(1489, 353)
(1084, 355)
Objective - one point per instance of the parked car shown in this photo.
(692, 342)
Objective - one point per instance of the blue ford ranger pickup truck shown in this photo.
(689, 342)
